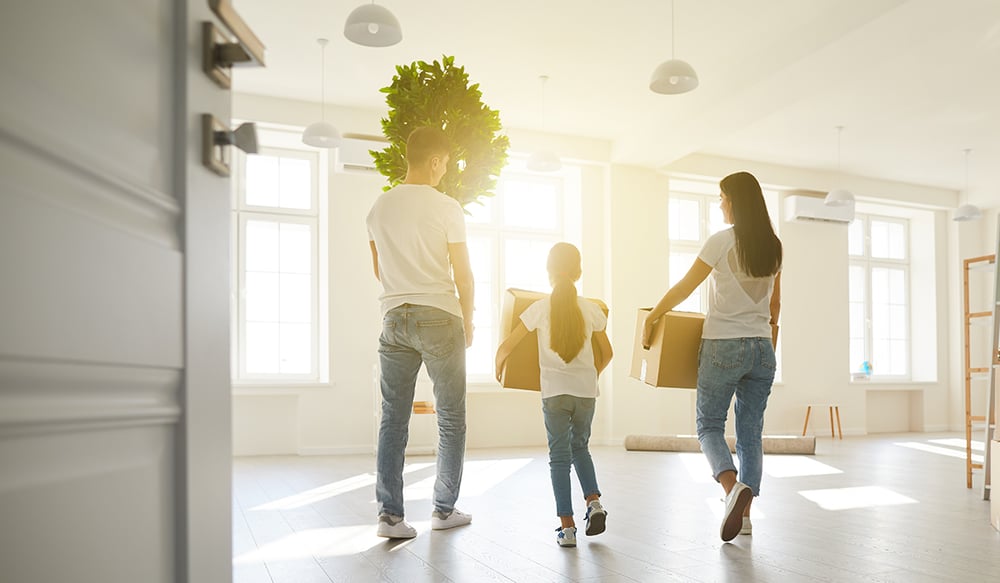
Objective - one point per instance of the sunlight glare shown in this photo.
(792, 466)
(859, 497)
(478, 477)
(697, 467)
(330, 490)
(939, 450)
(315, 542)
(956, 442)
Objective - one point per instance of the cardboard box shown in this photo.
(521, 371)
(672, 358)
(994, 480)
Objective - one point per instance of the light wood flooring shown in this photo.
(889, 508)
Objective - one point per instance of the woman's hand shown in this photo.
(647, 331)
(499, 368)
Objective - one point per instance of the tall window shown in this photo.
(879, 295)
(509, 238)
(693, 214)
(276, 222)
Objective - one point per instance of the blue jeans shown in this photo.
(744, 366)
(412, 335)
(567, 423)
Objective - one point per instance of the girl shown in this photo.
(736, 355)
(566, 325)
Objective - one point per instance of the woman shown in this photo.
(736, 354)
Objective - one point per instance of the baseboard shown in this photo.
(339, 450)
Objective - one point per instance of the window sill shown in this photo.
(889, 385)
(275, 390)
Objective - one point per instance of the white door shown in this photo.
(114, 366)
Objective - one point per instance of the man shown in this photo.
(417, 238)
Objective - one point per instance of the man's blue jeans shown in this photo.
(744, 366)
(567, 423)
(412, 335)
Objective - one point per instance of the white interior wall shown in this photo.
(625, 241)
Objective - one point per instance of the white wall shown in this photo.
(625, 242)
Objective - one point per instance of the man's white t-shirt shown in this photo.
(577, 377)
(739, 305)
(412, 225)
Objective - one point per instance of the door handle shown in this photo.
(220, 54)
(216, 139)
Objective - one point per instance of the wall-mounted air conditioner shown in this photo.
(810, 208)
(353, 153)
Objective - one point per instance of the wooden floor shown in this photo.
(884, 508)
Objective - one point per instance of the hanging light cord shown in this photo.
(322, 77)
(673, 33)
(840, 130)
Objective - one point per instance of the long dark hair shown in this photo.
(565, 317)
(757, 247)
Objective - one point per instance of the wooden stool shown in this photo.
(833, 408)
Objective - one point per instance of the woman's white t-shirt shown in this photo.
(577, 377)
(739, 305)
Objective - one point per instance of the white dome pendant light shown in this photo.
(322, 134)
(839, 196)
(372, 25)
(967, 212)
(544, 160)
(673, 76)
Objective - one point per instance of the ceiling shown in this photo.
(913, 82)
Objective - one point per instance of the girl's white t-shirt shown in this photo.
(577, 377)
(739, 305)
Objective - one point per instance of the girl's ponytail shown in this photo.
(566, 319)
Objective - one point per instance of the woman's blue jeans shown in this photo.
(567, 423)
(412, 335)
(744, 367)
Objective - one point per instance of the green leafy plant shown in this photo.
(439, 94)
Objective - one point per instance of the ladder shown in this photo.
(988, 419)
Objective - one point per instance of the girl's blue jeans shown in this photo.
(744, 367)
(567, 423)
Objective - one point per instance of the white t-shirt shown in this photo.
(412, 225)
(739, 306)
(577, 377)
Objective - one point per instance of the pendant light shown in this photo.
(839, 196)
(544, 160)
(673, 76)
(967, 212)
(372, 25)
(322, 134)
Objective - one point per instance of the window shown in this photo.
(509, 238)
(277, 227)
(693, 214)
(879, 296)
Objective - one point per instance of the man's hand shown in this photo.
(468, 332)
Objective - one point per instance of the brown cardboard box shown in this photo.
(672, 358)
(521, 371)
(994, 480)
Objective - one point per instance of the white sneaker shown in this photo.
(390, 526)
(736, 503)
(440, 521)
(596, 518)
(747, 526)
(566, 537)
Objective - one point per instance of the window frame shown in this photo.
(282, 142)
(868, 264)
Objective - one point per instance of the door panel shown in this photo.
(114, 366)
